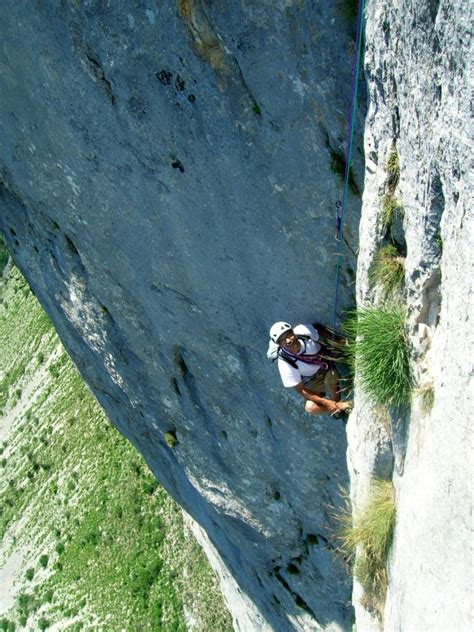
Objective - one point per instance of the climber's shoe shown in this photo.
(348, 407)
(344, 412)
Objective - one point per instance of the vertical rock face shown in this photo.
(168, 180)
(418, 77)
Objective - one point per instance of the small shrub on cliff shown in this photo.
(391, 209)
(43, 561)
(171, 438)
(370, 533)
(43, 623)
(388, 270)
(377, 351)
(393, 168)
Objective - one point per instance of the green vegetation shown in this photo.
(388, 270)
(43, 561)
(113, 542)
(18, 341)
(378, 349)
(427, 395)
(256, 109)
(370, 533)
(392, 210)
(3, 255)
(393, 168)
(6, 625)
(171, 438)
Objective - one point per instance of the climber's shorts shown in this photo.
(322, 381)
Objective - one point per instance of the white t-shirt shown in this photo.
(291, 376)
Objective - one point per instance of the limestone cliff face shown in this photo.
(168, 180)
(417, 68)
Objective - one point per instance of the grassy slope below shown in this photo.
(89, 537)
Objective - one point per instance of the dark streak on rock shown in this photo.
(70, 245)
(301, 603)
(179, 362)
(97, 72)
(174, 384)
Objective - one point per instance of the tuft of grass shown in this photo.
(43, 561)
(393, 168)
(391, 210)
(427, 395)
(377, 351)
(171, 438)
(370, 533)
(256, 108)
(388, 270)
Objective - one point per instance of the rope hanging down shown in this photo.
(341, 206)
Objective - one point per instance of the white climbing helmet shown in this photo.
(278, 329)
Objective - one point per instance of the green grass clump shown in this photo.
(393, 168)
(388, 270)
(377, 351)
(391, 209)
(370, 534)
(43, 561)
(171, 438)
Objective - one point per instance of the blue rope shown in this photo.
(341, 206)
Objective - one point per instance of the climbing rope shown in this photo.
(341, 206)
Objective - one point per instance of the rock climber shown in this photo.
(302, 367)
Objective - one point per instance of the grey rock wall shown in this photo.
(418, 69)
(168, 180)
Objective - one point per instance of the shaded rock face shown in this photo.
(168, 181)
(417, 70)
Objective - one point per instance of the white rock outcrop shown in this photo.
(419, 70)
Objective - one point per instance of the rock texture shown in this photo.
(418, 75)
(168, 180)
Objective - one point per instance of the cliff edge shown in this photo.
(169, 173)
(418, 147)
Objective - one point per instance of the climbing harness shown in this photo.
(308, 358)
(341, 205)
